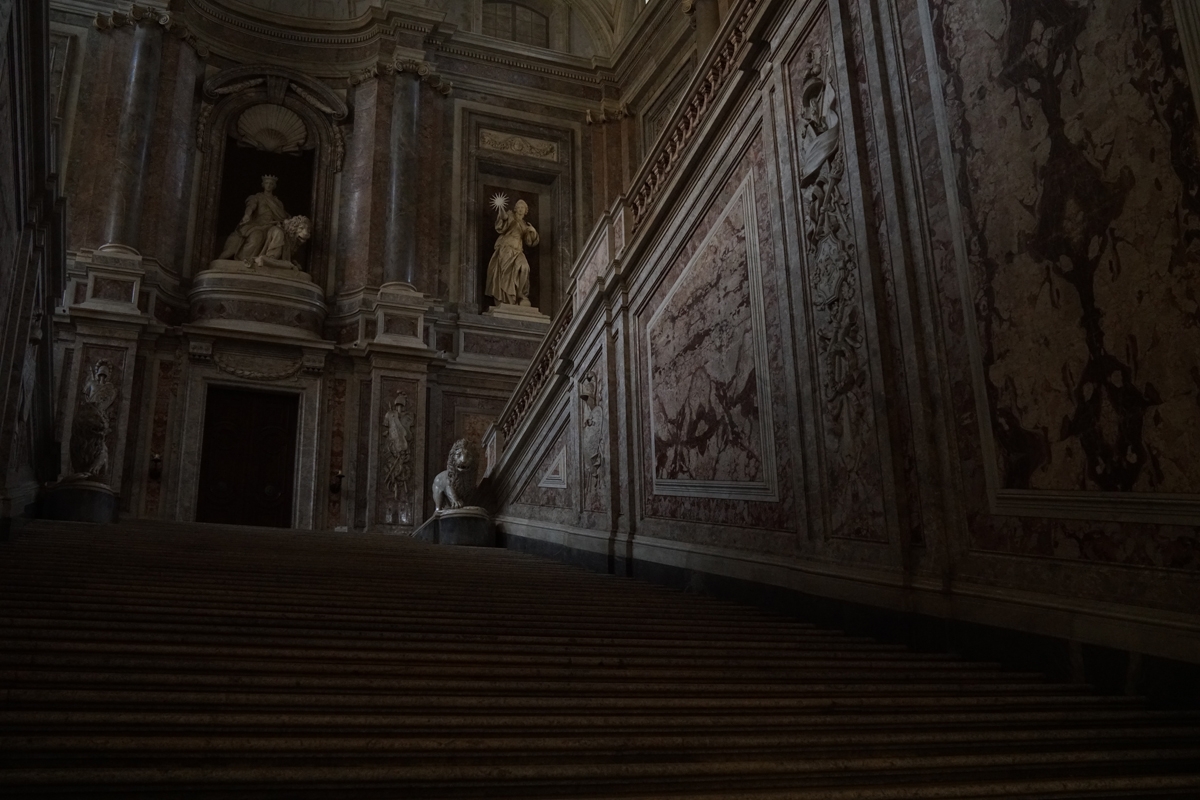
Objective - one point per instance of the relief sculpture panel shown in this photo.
(848, 439)
(397, 456)
(593, 437)
(1082, 242)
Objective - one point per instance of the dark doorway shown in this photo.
(248, 460)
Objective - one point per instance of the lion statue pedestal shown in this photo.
(454, 521)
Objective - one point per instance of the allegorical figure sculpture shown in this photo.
(89, 432)
(398, 423)
(508, 271)
(453, 487)
(266, 234)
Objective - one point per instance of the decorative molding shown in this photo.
(524, 66)
(277, 82)
(519, 145)
(145, 15)
(539, 372)
(283, 34)
(423, 70)
(555, 476)
(609, 112)
(253, 368)
(704, 94)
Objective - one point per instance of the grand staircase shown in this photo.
(206, 661)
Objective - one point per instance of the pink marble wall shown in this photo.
(1085, 247)
(714, 430)
(704, 398)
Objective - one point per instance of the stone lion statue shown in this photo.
(282, 241)
(453, 487)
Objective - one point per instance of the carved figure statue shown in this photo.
(89, 432)
(508, 270)
(398, 438)
(452, 488)
(263, 211)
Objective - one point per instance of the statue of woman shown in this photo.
(508, 271)
(263, 211)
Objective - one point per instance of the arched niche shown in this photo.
(230, 93)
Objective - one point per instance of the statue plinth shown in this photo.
(268, 298)
(469, 526)
(512, 311)
(78, 500)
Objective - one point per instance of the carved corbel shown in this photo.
(424, 72)
(609, 112)
(145, 15)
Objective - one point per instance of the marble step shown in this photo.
(1087, 764)
(463, 723)
(201, 661)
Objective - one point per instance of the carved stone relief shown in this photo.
(518, 145)
(833, 283)
(396, 460)
(593, 438)
(95, 421)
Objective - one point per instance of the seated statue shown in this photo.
(267, 235)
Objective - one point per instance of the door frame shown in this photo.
(307, 387)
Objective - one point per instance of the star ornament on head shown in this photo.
(499, 201)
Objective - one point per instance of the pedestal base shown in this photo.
(470, 526)
(78, 501)
(523, 313)
(267, 299)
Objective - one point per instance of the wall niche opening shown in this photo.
(241, 176)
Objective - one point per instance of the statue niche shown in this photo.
(258, 280)
(511, 278)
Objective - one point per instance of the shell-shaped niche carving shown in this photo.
(272, 128)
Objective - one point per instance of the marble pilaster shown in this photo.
(400, 251)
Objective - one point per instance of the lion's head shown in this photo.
(298, 229)
(460, 467)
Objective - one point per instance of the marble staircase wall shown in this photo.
(896, 314)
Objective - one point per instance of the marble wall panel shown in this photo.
(736, 399)
(166, 394)
(335, 419)
(705, 344)
(1083, 238)
(552, 483)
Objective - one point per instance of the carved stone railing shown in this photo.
(691, 114)
(539, 371)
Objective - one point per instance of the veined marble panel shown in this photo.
(710, 405)
(1082, 238)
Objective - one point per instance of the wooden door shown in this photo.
(248, 459)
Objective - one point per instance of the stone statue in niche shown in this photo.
(508, 270)
(398, 423)
(267, 235)
(453, 487)
(89, 433)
